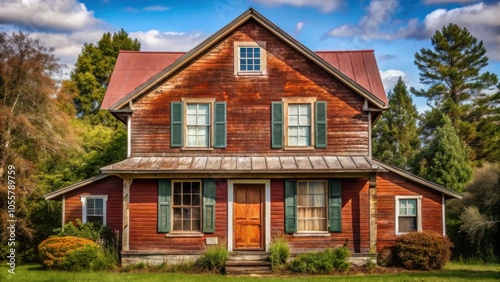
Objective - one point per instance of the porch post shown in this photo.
(126, 203)
(373, 212)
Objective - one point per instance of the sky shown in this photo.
(395, 29)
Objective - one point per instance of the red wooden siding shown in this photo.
(355, 219)
(249, 99)
(111, 186)
(390, 185)
(144, 220)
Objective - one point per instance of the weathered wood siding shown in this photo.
(111, 186)
(249, 99)
(144, 221)
(390, 185)
(355, 219)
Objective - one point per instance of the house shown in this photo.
(249, 136)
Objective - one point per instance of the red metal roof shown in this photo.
(133, 68)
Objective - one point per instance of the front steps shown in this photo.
(248, 262)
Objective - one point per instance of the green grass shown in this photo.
(452, 272)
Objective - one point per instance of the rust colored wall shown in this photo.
(111, 186)
(390, 185)
(355, 218)
(249, 100)
(144, 220)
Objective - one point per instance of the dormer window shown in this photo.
(250, 59)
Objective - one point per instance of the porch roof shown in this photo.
(244, 164)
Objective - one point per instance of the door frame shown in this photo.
(267, 210)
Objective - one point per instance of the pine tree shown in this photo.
(452, 70)
(445, 160)
(395, 137)
(92, 73)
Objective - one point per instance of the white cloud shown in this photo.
(431, 2)
(324, 6)
(379, 17)
(60, 15)
(167, 41)
(481, 20)
(299, 27)
(390, 78)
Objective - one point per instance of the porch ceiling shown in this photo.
(244, 164)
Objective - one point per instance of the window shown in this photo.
(186, 206)
(311, 206)
(94, 209)
(298, 123)
(250, 59)
(408, 214)
(198, 124)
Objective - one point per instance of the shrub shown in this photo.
(423, 250)
(322, 262)
(386, 257)
(214, 258)
(89, 230)
(279, 252)
(76, 254)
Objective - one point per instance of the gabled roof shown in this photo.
(369, 86)
(57, 195)
(418, 179)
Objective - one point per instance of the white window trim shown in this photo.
(185, 233)
(419, 212)
(298, 100)
(84, 198)
(211, 102)
(263, 58)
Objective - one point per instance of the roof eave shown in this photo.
(419, 179)
(207, 43)
(56, 195)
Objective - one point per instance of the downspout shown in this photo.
(366, 108)
(443, 214)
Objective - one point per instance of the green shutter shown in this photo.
(164, 207)
(176, 124)
(220, 125)
(276, 125)
(290, 206)
(320, 125)
(208, 206)
(335, 205)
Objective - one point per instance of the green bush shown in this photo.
(76, 254)
(386, 257)
(89, 230)
(214, 258)
(322, 262)
(279, 252)
(422, 250)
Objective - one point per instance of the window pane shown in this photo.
(293, 110)
(407, 224)
(195, 187)
(177, 213)
(411, 207)
(186, 206)
(177, 187)
(186, 187)
(311, 206)
(95, 219)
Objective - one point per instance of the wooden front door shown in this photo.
(248, 216)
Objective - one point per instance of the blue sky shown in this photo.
(395, 29)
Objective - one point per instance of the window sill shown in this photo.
(184, 235)
(250, 73)
(197, 149)
(298, 148)
(311, 234)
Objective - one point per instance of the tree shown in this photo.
(445, 159)
(92, 73)
(32, 126)
(452, 70)
(395, 137)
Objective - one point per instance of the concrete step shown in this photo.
(248, 263)
(248, 256)
(243, 263)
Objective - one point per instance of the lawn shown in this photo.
(452, 272)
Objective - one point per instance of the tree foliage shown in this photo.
(445, 160)
(32, 125)
(395, 136)
(92, 73)
(452, 70)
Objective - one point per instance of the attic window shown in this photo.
(250, 59)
